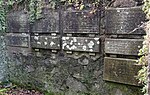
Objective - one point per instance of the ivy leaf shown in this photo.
(81, 7)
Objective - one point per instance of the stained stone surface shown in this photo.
(80, 22)
(55, 73)
(49, 23)
(124, 20)
(18, 21)
(81, 44)
(46, 42)
(121, 70)
(123, 46)
(19, 40)
(70, 74)
(3, 59)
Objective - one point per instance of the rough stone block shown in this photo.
(18, 40)
(48, 24)
(18, 21)
(45, 42)
(80, 22)
(123, 46)
(81, 44)
(121, 70)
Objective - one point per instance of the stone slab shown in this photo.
(123, 46)
(18, 21)
(18, 50)
(18, 40)
(81, 44)
(121, 70)
(124, 20)
(48, 24)
(45, 42)
(80, 22)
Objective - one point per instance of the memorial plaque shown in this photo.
(45, 42)
(17, 40)
(124, 20)
(18, 50)
(123, 46)
(81, 44)
(48, 24)
(121, 70)
(18, 21)
(80, 22)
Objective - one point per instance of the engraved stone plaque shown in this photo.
(81, 44)
(18, 40)
(45, 42)
(48, 24)
(80, 22)
(121, 70)
(123, 46)
(124, 20)
(18, 21)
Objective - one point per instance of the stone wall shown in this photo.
(64, 53)
(3, 59)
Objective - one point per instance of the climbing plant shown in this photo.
(35, 7)
(143, 73)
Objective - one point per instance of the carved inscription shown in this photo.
(124, 20)
(80, 22)
(46, 42)
(81, 44)
(48, 24)
(121, 70)
(19, 40)
(123, 46)
(18, 21)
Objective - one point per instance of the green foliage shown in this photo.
(35, 7)
(146, 7)
(2, 17)
(143, 73)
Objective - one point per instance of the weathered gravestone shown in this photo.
(123, 46)
(121, 70)
(18, 21)
(81, 22)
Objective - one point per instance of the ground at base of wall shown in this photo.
(12, 89)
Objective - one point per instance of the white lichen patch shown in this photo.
(75, 39)
(63, 38)
(73, 47)
(46, 38)
(67, 46)
(97, 42)
(24, 34)
(91, 44)
(39, 43)
(45, 43)
(64, 44)
(96, 39)
(67, 38)
(71, 43)
(84, 48)
(53, 37)
(36, 37)
(52, 43)
(91, 50)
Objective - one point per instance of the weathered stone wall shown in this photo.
(64, 53)
(3, 59)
